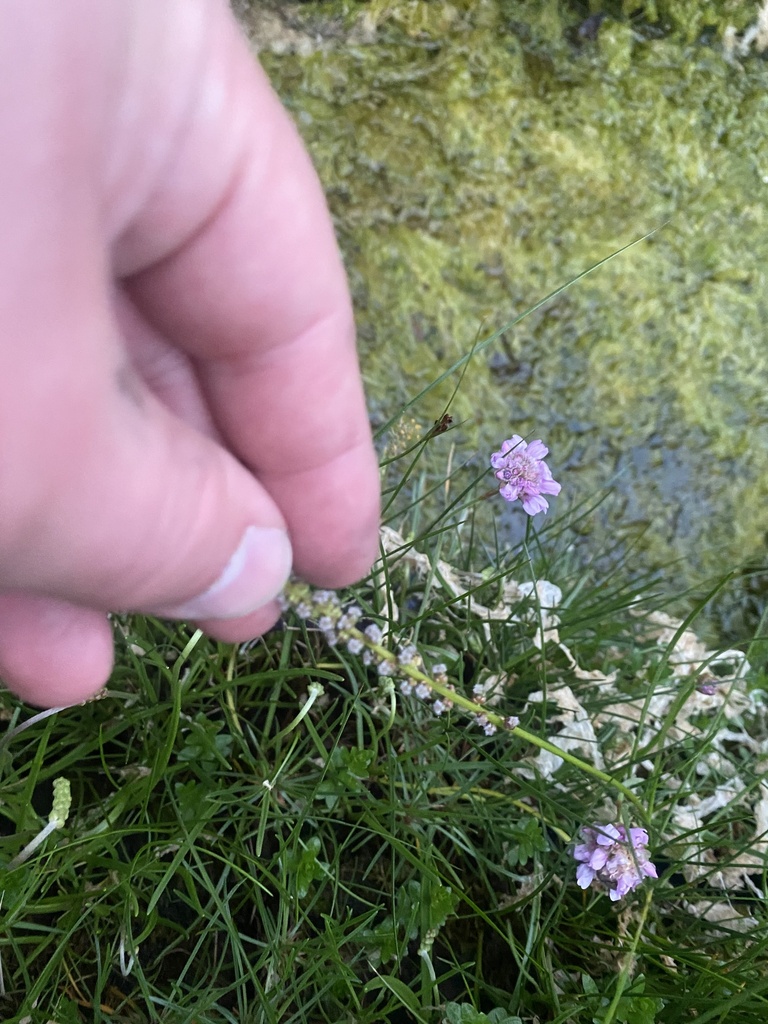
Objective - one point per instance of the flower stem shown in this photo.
(62, 801)
(501, 723)
(314, 691)
(330, 608)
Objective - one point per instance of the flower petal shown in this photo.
(534, 503)
(537, 450)
(584, 876)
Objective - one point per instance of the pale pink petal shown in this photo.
(534, 504)
(584, 876)
(608, 834)
(510, 493)
(549, 487)
(598, 859)
(537, 450)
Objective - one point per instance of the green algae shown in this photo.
(476, 156)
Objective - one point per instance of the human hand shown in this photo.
(180, 401)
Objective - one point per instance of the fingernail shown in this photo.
(254, 575)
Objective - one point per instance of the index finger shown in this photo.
(242, 271)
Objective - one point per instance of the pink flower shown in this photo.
(524, 474)
(612, 859)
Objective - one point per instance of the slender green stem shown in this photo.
(499, 721)
(493, 794)
(628, 964)
(297, 593)
(62, 802)
(314, 691)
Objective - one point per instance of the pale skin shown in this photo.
(177, 349)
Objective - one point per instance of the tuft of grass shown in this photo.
(266, 834)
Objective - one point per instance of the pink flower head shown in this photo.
(612, 859)
(524, 474)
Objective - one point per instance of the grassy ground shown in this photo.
(277, 834)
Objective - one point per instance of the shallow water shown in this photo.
(479, 155)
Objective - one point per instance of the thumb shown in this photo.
(53, 653)
(152, 517)
(115, 503)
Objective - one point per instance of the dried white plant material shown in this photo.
(722, 717)
(720, 913)
(577, 735)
